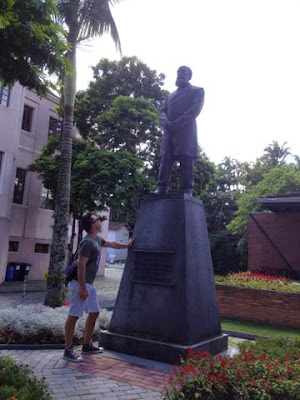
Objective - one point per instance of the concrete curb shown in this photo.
(240, 335)
(32, 346)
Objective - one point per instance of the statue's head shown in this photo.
(184, 75)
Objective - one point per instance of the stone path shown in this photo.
(98, 377)
(108, 376)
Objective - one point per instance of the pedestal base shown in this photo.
(156, 350)
(167, 298)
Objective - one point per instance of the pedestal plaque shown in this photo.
(167, 299)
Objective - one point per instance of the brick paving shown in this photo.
(99, 377)
(122, 371)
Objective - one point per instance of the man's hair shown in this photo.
(87, 222)
(188, 69)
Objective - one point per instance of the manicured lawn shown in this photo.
(259, 329)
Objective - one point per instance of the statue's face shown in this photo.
(183, 77)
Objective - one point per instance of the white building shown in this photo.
(26, 121)
(117, 232)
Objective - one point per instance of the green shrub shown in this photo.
(274, 347)
(18, 382)
(259, 372)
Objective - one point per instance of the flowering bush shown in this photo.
(258, 374)
(38, 324)
(18, 382)
(260, 281)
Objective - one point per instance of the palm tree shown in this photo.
(82, 19)
(275, 155)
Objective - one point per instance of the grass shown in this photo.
(259, 329)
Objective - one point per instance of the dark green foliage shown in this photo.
(19, 382)
(32, 44)
(128, 77)
(119, 111)
(278, 180)
(99, 178)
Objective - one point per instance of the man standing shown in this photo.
(179, 143)
(83, 296)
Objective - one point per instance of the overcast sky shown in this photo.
(244, 53)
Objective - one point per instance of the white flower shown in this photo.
(42, 321)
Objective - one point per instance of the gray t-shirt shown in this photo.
(91, 248)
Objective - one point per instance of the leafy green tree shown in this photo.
(279, 180)
(32, 44)
(119, 111)
(100, 179)
(83, 19)
(220, 203)
(127, 77)
(129, 124)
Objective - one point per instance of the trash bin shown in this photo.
(24, 271)
(10, 272)
(17, 272)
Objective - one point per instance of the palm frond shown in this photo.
(96, 19)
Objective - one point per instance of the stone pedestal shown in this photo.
(167, 298)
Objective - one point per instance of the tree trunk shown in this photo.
(59, 246)
(55, 282)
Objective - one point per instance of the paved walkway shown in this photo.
(107, 376)
(102, 376)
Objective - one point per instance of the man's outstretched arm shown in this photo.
(117, 245)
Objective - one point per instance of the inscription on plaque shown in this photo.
(152, 267)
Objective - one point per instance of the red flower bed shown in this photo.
(259, 374)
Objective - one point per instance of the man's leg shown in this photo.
(92, 309)
(69, 330)
(165, 169)
(77, 307)
(70, 354)
(89, 327)
(187, 174)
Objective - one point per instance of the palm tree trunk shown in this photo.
(55, 294)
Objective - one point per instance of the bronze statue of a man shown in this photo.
(178, 118)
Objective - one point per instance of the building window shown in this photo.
(41, 248)
(19, 186)
(54, 126)
(27, 118)
(4, 95)
(13, 246)
(46, 199)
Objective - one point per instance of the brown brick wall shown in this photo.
(283, 229)
(267, 306)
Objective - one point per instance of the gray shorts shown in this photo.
(79, 306)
